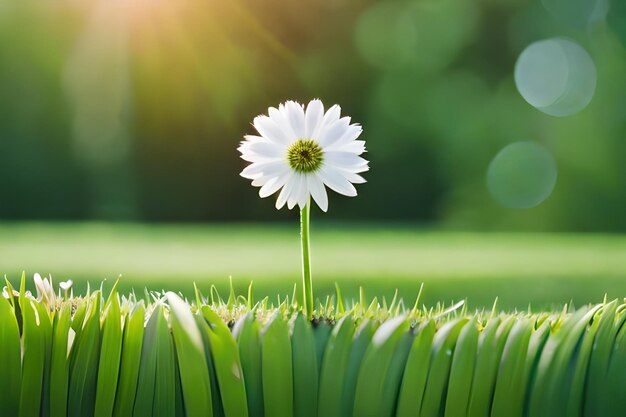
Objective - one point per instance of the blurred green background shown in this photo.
(119, 123)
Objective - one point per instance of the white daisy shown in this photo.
(299, 152)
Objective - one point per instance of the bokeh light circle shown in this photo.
(557, 76)
(522, 175)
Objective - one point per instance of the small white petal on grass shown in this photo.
(66, 285)
(70, 340)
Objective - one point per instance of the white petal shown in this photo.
(261, 181)
(259, 169)
(334, 180)
(266, 150)
(295, 116)
(274, 184)
(353, 178)
(356, 170)
(330, 117)
(294, 195)
(284, 193)
(356, 147)
(291, 201)
(313, 118)
(318, 192)
(280, 117)
(253, 138)
(346, 160)
(350, 135)
(270, 130)
(303, 195)
(244, 146)
(332, 133)
(252, 157)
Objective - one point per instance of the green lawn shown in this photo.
(520, 269)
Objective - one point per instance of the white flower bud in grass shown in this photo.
(66, 285)
(45, 292)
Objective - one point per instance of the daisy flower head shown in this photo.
(301, 151)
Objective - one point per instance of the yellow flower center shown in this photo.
(305, 155)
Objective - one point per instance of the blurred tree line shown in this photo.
(133, 110)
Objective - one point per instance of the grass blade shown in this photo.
(596, 397)
(193, 368)
(130, 362)
(227, 365)
(45, 327)
(305, 368)
(276, 368)
(462, 372)
(362, 338)
(321, 331)
(490, 346)
(84, 362)
(10, 352)
(333, 374)
(110, 356)
(33, 359)
(216, 398)
(370, 395)
(59, 368)
(416, 372)
(549, 394)
(510, 389)
(144, 398)
(165, 378)
(247, 333)
(444, 343)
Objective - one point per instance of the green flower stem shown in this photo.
(307, 294)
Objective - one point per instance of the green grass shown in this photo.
(359, 359)
(519, 269)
